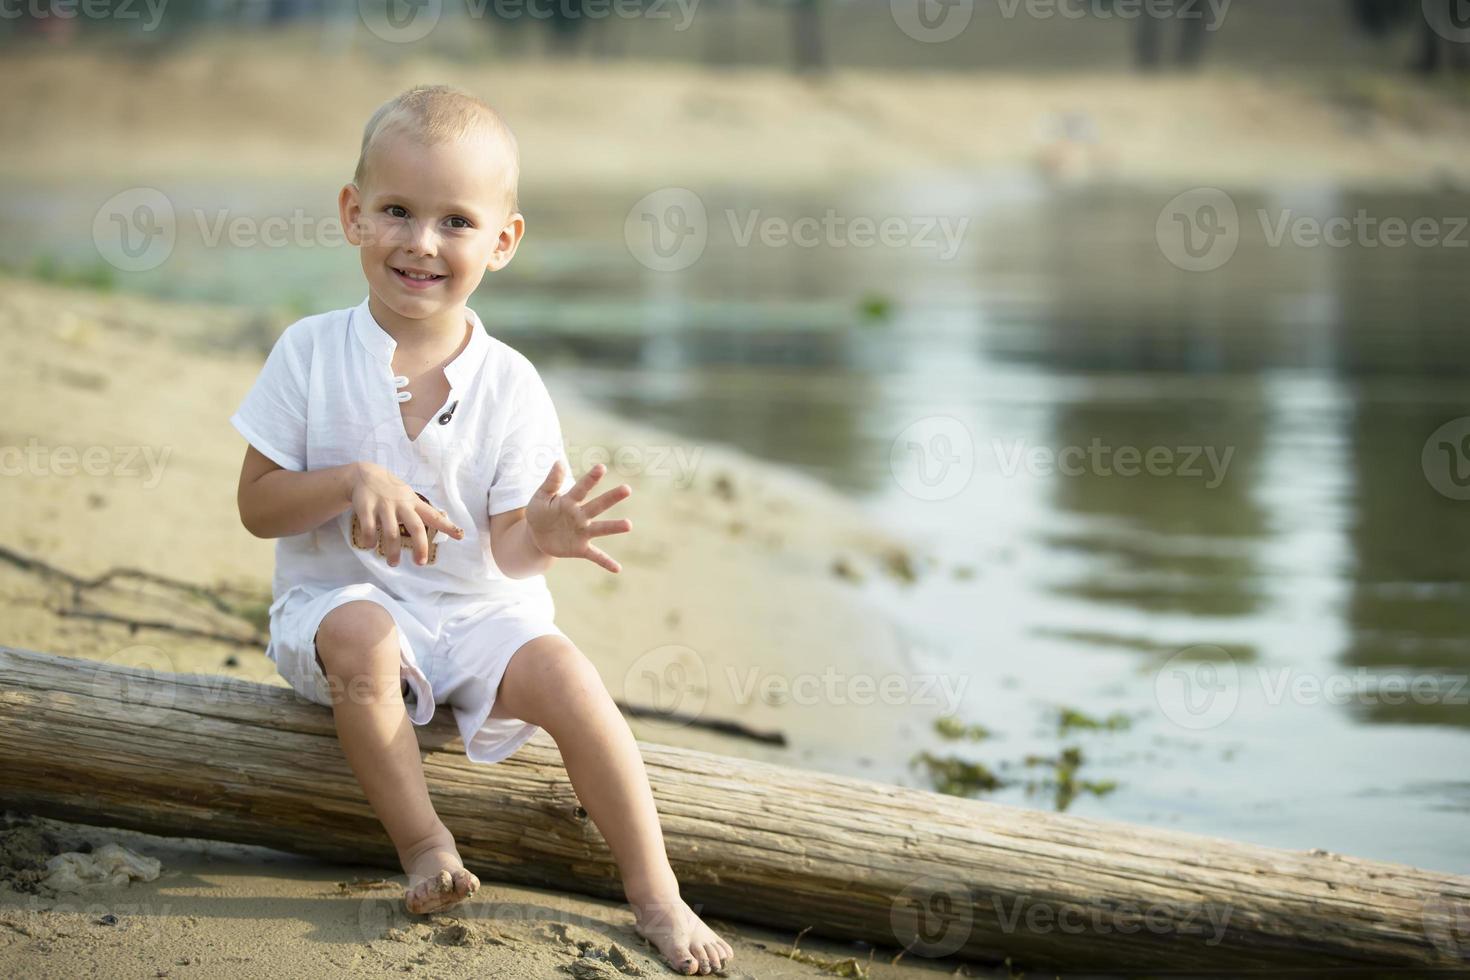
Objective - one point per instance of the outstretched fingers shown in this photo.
(598, 528)
(596, 554)
(553, 480)
(606, 500)
(584, 486)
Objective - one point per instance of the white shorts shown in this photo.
(453, 651)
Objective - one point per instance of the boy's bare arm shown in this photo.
(276, 502)
(516, 555)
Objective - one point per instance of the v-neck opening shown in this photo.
(472, 326)
(458, 372)
(413, 441)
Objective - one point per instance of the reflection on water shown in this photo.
(1169, 468)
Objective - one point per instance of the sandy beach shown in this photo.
(730, 567)
(227, 910)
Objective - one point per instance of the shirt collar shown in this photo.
(381, 345)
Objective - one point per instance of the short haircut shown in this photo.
(440, 114)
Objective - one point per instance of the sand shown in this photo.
(730, 564)
(228, 910)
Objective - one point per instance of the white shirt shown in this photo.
(327, 396)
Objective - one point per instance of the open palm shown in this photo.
(562, 524)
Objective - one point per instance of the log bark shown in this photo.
(212, 757)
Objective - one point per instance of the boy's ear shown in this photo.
(509, 241)
(349, 209)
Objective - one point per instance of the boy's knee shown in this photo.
(358, 638)
(560, 672)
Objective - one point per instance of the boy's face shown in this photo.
(440, 210)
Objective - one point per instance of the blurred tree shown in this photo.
(806, 35)
(566, 24)
(1196, 22)
(1440, 24)
(807, 44)
(1379, 17)
(721, 44)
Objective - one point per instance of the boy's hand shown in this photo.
(382, 501)
(562, 525)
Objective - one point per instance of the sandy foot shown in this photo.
(685, 941)
(437, 879)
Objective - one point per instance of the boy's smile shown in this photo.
(414, 279)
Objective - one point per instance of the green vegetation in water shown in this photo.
(950, 727)
(1063, 780)
(96, 275)
(954, 776)
(1071, 719)
(875, 308)
(900, 565)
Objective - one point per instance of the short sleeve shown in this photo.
(272, 418)
(532, 442)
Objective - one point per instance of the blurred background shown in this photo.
(1144, 321)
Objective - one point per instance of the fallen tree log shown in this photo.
(213, 757)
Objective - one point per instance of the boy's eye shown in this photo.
(396, 210)
(463, 222)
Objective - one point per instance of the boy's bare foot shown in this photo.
(437, 878)
(682, 938)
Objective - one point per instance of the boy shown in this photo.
(374, 429)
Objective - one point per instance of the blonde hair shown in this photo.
(441, 114)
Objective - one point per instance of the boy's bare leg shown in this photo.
(357, 645)
(550, 683)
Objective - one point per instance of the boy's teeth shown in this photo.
(416, 275)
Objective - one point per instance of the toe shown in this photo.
(684, 961)
(465, 883)
(430, 894)
(712, 956)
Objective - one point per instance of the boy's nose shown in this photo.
(422, 240)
